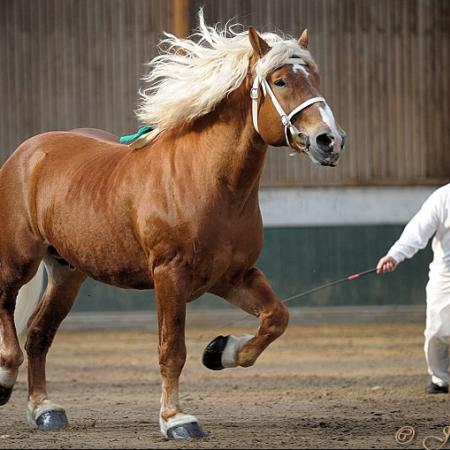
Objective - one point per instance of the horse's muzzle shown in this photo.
(325, 147)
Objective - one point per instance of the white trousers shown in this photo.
(437, 332)
(437, 356)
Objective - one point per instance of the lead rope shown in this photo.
(351, 277)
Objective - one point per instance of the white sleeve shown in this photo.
(419, 230)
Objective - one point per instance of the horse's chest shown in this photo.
(224, 259)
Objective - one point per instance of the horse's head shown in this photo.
(286, 105)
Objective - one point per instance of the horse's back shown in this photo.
(96, 133)
(84, 140)
(50, 161)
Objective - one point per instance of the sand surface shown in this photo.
(316, 387)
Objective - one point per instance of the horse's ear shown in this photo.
(303, 39)
(260, 46)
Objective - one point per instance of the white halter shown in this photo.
(285, 118)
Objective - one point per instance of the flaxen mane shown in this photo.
(190, 78)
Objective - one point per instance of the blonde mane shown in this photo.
(188, 79)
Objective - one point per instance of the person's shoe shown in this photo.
(433, 388)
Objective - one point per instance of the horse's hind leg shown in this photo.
(62, 289)
(255, 296)
(11, 356)
(12, 277)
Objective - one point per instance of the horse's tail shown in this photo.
(27, 300)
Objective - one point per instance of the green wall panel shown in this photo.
(298, 259)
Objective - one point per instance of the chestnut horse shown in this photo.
(180, 215)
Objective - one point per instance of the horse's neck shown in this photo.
(234, 152)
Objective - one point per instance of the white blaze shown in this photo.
(299, 68)
(328, 118)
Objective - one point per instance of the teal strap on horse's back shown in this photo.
(133, 137)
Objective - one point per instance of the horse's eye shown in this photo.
(280, 83)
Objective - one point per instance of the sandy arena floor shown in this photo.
(316, 387)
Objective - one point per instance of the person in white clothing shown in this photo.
(432, 219)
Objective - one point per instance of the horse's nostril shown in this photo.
(325, 142)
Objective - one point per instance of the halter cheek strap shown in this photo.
(285, 118)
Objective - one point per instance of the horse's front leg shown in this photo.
(172, 288)
(255, 296)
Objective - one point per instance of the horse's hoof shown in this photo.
(191, 430)
(212, 355)
(222, 352)
(53, 420)
(5, 395)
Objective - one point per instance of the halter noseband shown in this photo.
(285, 118)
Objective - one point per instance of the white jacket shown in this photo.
(433, 218)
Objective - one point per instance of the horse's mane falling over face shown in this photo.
(191, 76)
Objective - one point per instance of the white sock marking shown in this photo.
(234, 344)
(8, 377)
(175, 421)
(33, 412)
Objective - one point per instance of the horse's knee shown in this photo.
(172, 367)
(38, 341)
(172, 357)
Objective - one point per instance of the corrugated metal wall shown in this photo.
(73, 63)
(385, 68)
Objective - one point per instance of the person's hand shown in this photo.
(386, 264)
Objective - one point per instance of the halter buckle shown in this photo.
(254, 93)
(285, 120)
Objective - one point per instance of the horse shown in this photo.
(179, 215)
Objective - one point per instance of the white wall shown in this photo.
(341, 206)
